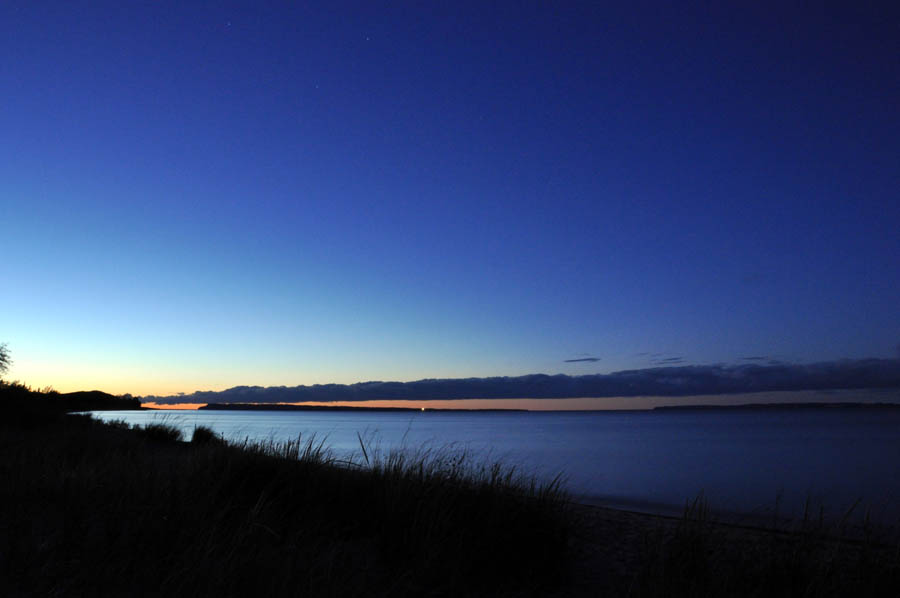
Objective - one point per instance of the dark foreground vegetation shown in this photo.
(94, 509)
(90, 509)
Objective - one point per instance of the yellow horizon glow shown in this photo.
(72, 378)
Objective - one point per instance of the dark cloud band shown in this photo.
(658, 381)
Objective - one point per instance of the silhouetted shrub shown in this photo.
(205, 435)
(159, 432)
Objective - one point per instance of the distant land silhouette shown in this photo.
(659, 381)
(282, 407)
(21, 398)
(778, 406)
(743, 406)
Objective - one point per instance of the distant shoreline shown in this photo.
(694, 407)
(779, 406)
(283, 407)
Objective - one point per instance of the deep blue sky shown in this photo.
(199, 195)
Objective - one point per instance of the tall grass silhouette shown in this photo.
(96, 509)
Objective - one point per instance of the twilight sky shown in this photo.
(204, 195)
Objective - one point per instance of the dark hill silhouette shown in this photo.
(19, 399)
(95, 400)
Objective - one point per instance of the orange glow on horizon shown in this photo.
(603, 404)
(590, 404)
(473, 404)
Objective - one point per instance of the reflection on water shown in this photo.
(741, 460)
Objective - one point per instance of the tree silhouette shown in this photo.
(5, 360)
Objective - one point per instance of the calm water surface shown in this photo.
(743, 461)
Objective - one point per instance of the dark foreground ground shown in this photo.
(622, 553)
(89, 509)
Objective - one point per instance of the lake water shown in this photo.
(744, 461)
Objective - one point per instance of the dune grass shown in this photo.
(91, 509)
(160, 432)
(205, 435)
